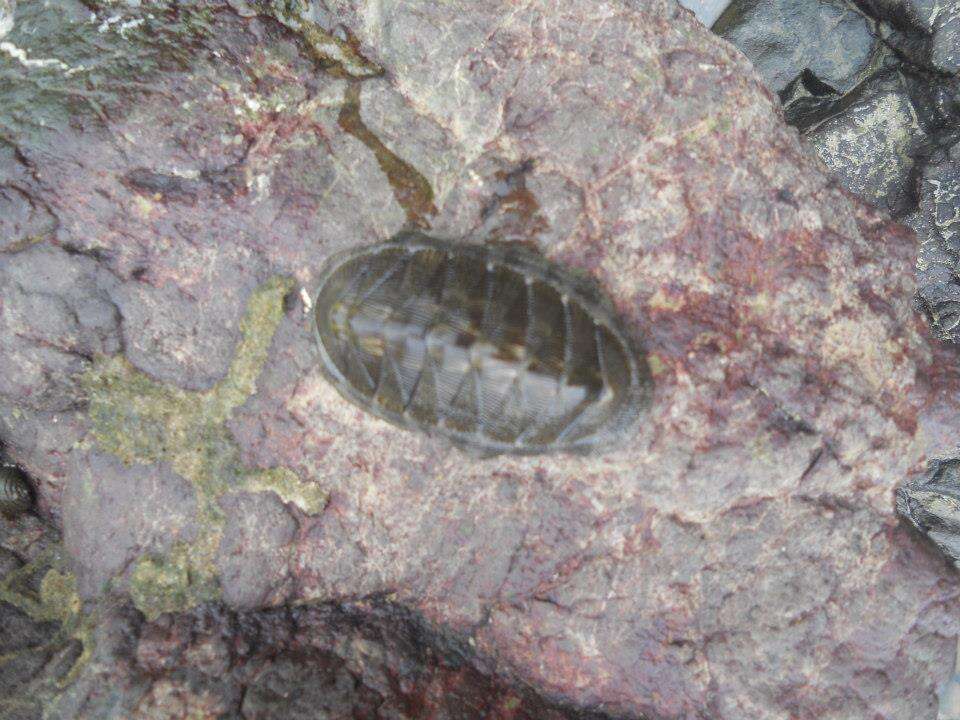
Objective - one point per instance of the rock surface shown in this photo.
(332, 661)
(783, 38)
(870, 146)
(739, 557)
(938, 223)
(888, 126)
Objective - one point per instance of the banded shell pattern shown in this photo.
(495, 348)
(16, 497)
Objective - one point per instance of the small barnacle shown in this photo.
(16, 495)
(495, 348)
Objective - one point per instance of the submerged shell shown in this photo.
(16, 497)
(496, 349)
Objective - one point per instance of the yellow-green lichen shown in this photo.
(143, 421)
(309, 497)
(17, 586)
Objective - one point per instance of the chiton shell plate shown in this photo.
(491, 346)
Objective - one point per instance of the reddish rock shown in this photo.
(738, 557)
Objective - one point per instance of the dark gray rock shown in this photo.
(938, 225)
(109, 685)
(784, 38)
(932, 504)
(35, 652)
(115, 512)
(19, 630)
(255, 547)
(8, 562)
(927, 32)
(295, 686)
(945, 48)
(871, 142)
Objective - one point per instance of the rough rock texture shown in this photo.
(878, 123)
(938, 222)
(887, 129)
(369, 660)
(739, 557)
(916, 28)
(114, 513)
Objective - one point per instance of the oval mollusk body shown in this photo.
(496, 349)
(15, 494)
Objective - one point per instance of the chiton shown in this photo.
(491, 346)
(16, 496)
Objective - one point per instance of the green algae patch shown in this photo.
(19, 587)
(59, 599)
(143, 421)
(171, 583)
(309, 497)
(264, 313)
(52, 599)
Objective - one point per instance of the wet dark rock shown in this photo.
(19, 630)
(371, 660)
(786, 38)
(8, 562)
(807, 100)
(938, 225)
(296, 686)
(924, 31)
(36, 654)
